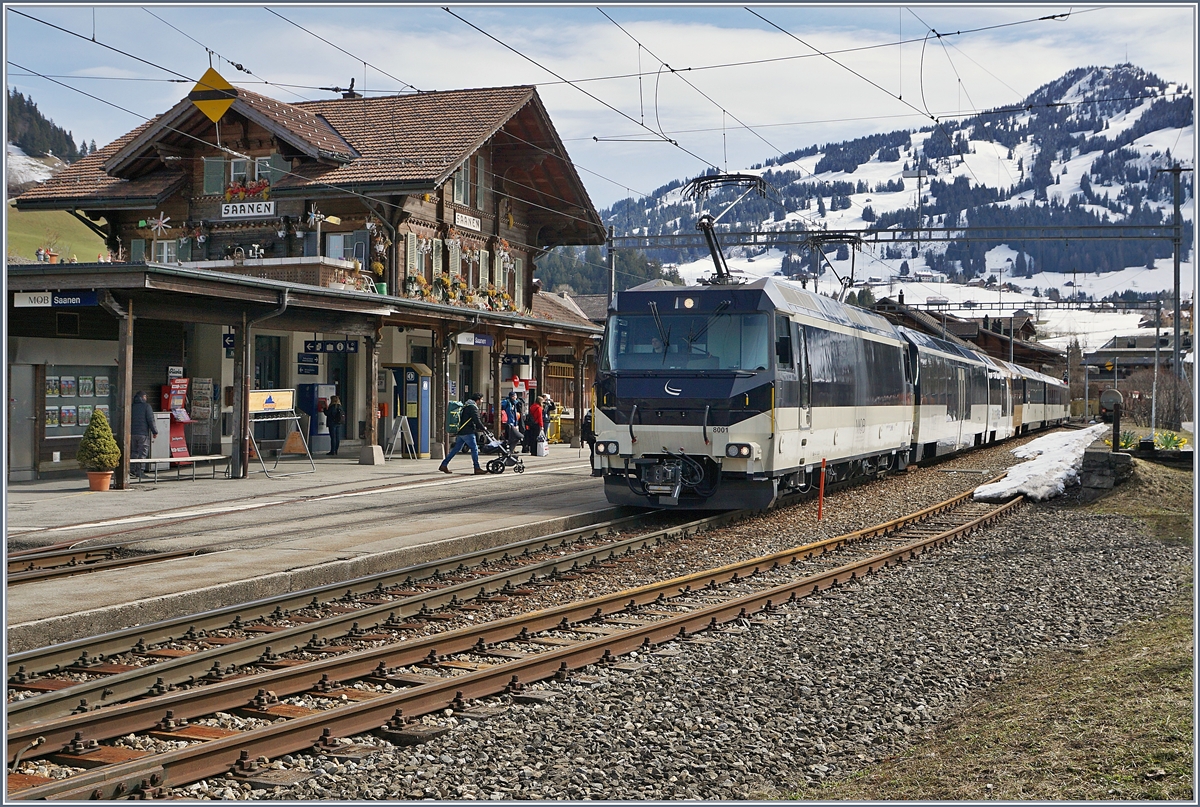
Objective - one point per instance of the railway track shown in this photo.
(36, 567)
(391, 683)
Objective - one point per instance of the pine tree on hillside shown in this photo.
(34, 133)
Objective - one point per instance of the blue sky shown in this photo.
(788, 104)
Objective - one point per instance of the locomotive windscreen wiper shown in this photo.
(664, 335)
(692, 338)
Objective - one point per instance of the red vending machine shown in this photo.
(174, 400)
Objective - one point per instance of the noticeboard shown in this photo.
(272, 400)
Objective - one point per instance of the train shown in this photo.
(730, 395)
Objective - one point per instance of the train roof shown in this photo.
(928, 342)
(772, 293)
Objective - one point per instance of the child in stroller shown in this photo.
(506, 458)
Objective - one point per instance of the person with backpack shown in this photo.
(335, 416)
(510, 416)
(469, 425)
(533, 426)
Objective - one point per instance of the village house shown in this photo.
(327, 243)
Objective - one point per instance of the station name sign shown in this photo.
(54, 299)
(247, 210)
(470, 222)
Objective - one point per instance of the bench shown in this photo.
(179, 462)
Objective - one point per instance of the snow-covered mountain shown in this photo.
(1084, 149)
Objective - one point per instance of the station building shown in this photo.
(325, 242)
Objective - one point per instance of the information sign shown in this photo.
(272, 400)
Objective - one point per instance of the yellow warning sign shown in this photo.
(213, 95)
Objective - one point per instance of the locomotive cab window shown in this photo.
(687, 341)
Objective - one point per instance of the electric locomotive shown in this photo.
(725, 396)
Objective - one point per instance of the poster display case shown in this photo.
(73, 393)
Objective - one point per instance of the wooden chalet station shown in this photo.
(340, 244)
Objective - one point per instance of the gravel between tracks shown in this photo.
(837, 681)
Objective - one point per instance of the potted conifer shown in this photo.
(98, 452)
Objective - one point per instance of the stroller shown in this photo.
(506, 456)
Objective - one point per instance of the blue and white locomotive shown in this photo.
(727, 396)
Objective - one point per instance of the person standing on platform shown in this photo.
(469, 425)
(512, 420)
(533, 426)
(141, 429)
(548, 407)
(335, 416)
(588, 433)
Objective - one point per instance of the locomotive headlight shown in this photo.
(735, 450)
(688, 302)
(607, 447)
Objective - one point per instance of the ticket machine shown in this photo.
(312, 399)
(412, 400)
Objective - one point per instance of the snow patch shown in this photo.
(1054, 463)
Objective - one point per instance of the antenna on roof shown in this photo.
(346, 93)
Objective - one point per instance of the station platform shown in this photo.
(261, 536)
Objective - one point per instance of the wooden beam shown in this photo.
(125, 394)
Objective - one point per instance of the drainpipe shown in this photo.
(242, 455)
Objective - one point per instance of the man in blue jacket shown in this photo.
(469, 425)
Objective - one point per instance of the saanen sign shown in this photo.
(247, 210)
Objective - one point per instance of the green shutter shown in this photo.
(479, 181)
(183, 252)
(410, 254)
(519, 283)
(214, 175)
(137, 250)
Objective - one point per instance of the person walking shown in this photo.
(141, 429)
(335, 416)
(511, 416)
(588, 433)
(533, 426)
(469, 425)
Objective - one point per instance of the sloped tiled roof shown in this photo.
(85, 180)
(418, 138)
(594, 306)
(553, 308)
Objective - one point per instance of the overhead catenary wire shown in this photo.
(599, 100)
(237, 66)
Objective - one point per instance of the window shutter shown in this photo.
(310, 245)
(214, 175)
(410, 254)
(519, 282)
(501, 276)
(137, 250)
(479, 181)
(184, 251)
(437, 257)
(361, 248)
(455, 260)
(483, 268)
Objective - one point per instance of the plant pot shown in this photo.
(99, 480)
